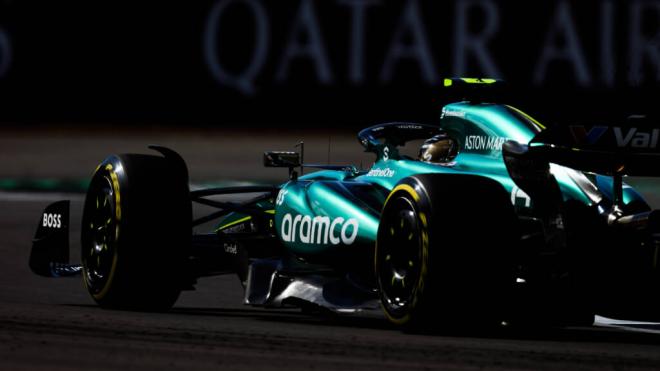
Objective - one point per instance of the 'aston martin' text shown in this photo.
(482, 142)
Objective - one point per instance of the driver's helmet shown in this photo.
(440, 149)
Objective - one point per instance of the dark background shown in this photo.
(89, 62)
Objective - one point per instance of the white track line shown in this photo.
(637, 326)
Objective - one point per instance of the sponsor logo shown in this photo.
(239, 228)
(448, 113)
(628, 59)
(483, 142)
(409, 126)
(632, 137)
(386, 153)
(320, 230)
(581, 135)
(280, 197)
(231, 248)
(52, 221)
(519, 197)
(382, 173)
(635, 138)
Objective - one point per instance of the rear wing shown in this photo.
(629, 149)
(615, 150)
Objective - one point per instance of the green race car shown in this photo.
(497, 219)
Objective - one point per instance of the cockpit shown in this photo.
(439, 149)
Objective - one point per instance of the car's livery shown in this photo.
(497, 219)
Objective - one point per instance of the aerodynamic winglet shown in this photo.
(50, 246)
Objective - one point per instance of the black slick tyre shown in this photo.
(136, 233)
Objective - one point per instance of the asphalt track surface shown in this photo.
(53, 324)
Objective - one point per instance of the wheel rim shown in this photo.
(399, 255)
(98, 245)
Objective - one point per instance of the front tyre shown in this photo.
(136, 233)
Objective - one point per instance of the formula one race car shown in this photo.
(497, 219)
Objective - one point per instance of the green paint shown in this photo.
(480, 130)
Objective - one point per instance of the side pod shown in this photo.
(50, 247)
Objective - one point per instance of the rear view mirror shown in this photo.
(281, 159)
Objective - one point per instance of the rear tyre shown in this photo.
(136, 233)
(444, 252)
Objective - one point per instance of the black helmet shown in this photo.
(440, 149)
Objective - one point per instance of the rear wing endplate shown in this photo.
(630, 149)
